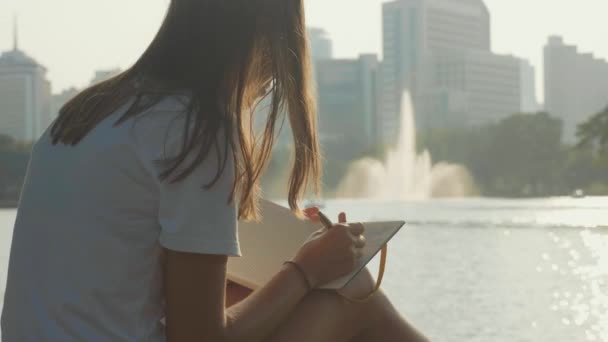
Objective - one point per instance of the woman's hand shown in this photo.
(330, 254)
(364, 283)
(360, 286)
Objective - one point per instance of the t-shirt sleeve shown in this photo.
(192, 218)
(198, 220)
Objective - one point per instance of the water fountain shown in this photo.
(405, 174)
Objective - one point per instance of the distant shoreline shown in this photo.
(14, 204)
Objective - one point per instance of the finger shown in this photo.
(312, 210)
(360, 241)
(358, 253)
(342, 218)
(356, 228)
(312, 214)
(314, 218)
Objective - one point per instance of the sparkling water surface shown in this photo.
(485, 270)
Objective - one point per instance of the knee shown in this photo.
(361, 314)
(376, 307)
(339, 300)
(361, 286)
(379, 306)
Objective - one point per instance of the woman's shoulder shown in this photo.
(161, 114)
(160, 132)
(173, 102)
(158, 124)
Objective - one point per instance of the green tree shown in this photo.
(526, 152)
(517, 156)
(6, 142)
(13, 164)
(594, 132)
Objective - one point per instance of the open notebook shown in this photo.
(267, 245)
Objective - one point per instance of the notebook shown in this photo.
(267, 245)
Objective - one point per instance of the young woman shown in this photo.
(131, 201)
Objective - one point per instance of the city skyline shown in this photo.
(516, 30)
(440, 51)
(576, 84)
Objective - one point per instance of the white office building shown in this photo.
(576, 85)
(59, 100)
(104, 75)
(527, 77)
(473, 87)
(321, 45)
(25, 96)
(347, 103)
(440, 50)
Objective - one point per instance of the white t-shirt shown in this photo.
(86, 261)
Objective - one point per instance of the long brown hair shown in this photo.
(224, 53)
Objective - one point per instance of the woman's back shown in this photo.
(86, 251)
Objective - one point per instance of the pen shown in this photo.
(326, 222)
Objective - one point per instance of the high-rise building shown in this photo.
(59, 100)
(320, 45)
(527, 78)
(347, 104)
(473, 87)
(104, 75)
(440, 51)
(320, 49)
(412, 28)
(576, 84)
(25, 95)
(347, 96)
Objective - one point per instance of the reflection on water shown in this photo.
(581, 263)
(487, 270)
(590, 306)
(480, 270)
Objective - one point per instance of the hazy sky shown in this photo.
(72, 38)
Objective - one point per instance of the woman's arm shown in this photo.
(256, 317)
(195, 291)
(196, 296)
(235, 293)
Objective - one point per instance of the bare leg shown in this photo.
(390, 326)
(326, 317)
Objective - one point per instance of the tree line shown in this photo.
(523, 155)
(14, 157)
(520, 156)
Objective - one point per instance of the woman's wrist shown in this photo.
(305, 279)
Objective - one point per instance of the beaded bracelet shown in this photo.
(301, 271)
(383, 257)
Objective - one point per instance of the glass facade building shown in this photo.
(440, 51)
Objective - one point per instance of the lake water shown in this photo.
(486, 270)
